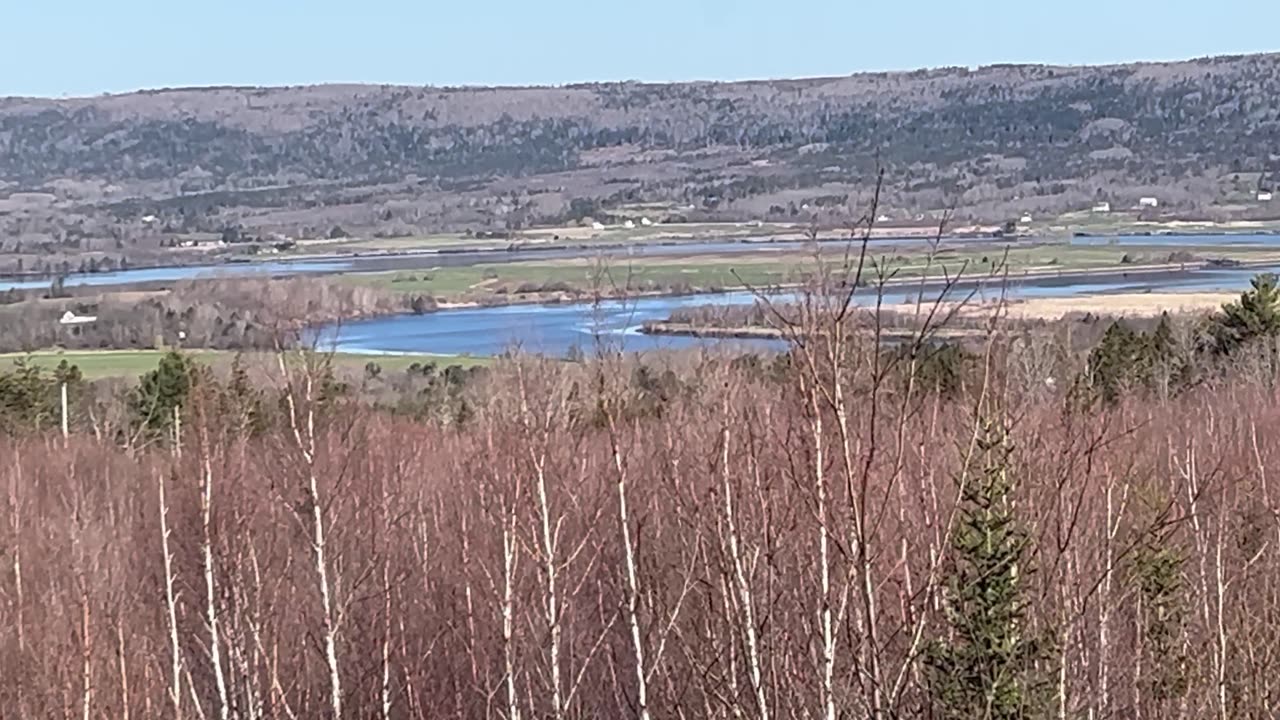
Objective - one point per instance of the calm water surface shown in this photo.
(557, 329)
(420, 261)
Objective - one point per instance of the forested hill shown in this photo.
(992, 135)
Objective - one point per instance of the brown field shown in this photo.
(1120, 304)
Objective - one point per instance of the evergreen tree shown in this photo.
(1160, 343)
(1255, 316)
(986, 665)
(160, 392)
(1125, 360)
(242, 403)
(1161, 610)
(1115, 362)
(938, 368)
(30, 396)
(1163, 361)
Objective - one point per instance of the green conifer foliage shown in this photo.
(31, 397)
(160, 391)
(1255, 316)
(1162, 607)
(986, 664)
(1115, 364)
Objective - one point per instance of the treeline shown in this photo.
(216, 314)
(137, 412)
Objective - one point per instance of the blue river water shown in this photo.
(411, 261)
(189, 272)
(1264, 240)
(375, 263)
(558, 329)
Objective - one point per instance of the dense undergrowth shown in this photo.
(924, 531)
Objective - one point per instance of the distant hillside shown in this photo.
(994, 141)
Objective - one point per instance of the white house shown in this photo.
(149, 219)
(70, 318)
(1148, 202)
(597, 225)
(628, 224)
(1025, 220)
(1102, 207)
(1264, 196)
(646, 221)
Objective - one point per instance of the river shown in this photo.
(415, 261)
(429, 259)
(557, 329)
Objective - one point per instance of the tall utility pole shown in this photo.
(64, 410)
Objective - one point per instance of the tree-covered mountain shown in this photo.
(992, 140)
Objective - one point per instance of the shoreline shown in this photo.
(1045, 278)
(911, 234)
(1113, 305)
(1139, 273)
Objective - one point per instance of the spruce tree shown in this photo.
(242, 403)
(160, 392)
(1114, 363)
(985, 666)
(1158, 571)
(1163, 361)
(30, 396)
(1255, 316)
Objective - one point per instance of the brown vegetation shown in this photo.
(731, 541)
(220, 314)
(725, 538)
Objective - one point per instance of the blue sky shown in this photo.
(85, 47)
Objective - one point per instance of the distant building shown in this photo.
(628, 224)
(1264, 196)
(1025, 220)
(1102, 207)
(70, 318)
(1148, 202)
(149, 219)
(646, 221)
(597, 225)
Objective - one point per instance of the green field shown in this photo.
(762, 269)
(612, 234)
(98, 364)
(1122, 221)
(483, 280)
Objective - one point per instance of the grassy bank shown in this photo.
(577, 277)
(99, 364)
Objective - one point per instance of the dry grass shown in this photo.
(1119, 304)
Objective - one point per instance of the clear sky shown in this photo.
(85, 47)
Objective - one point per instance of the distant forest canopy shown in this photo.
(994, 141)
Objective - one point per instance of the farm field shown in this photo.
(674, 274)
